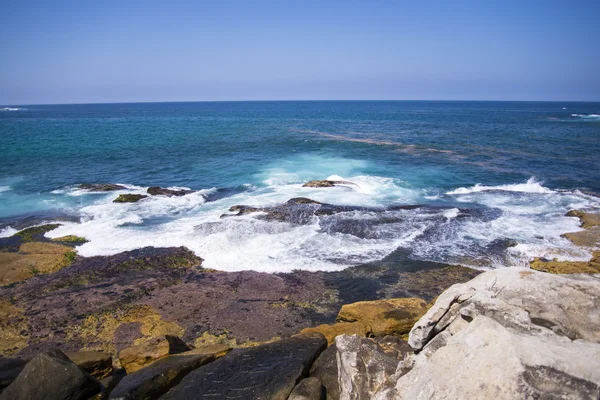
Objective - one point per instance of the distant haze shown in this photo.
(138, 51)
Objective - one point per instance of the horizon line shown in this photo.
(298, 100)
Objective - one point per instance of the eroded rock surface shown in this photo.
(509, 333)
(326, 370)
(365, 367)
(308, 389)
(270, 371)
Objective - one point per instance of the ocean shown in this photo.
(490, 181)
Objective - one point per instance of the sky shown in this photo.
(137, 51)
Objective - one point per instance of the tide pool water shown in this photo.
(493, 179)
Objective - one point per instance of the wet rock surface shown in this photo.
(51, 375)
(158, 191)
(129, 198)
(101, 187)
(325, 183)
(269, 371)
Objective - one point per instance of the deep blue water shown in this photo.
(399, 152)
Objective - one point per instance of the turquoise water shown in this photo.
(523, 164)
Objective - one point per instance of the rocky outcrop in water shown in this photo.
(158, 191)
(325, 183)
(101, 187)
(129, 198)
(509, 333)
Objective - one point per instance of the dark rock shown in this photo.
(135, 357)
(10, 368)
(265, 372)
(158, 191)
(326, 183)
(101, 187)
(129, 198)
(111, 381)
(156, 379)
(95, 363)
(326, 370)
(51, 375)
(308, 389)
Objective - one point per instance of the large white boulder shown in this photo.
(510, 333)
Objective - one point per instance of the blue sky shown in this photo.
(126, 51)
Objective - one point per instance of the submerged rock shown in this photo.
(129, 198)
(509, 333)
(326, 183)
(137, 357)
(51, 375)
(101, 187)
(158, 191)
(265, 372)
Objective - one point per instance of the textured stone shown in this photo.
(364, 367)
(587, 220)
(330, 331)
(97, 364)
(326, 370)
(156, 379)
(307, 389)
(10, 368)
(32, 259)
(384, 317)
(267, 372)
(136, 357)
(51, 376)
(509, 333)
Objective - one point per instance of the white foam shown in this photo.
(11, 109)
(586, 116)
(5, 189)
(531, 186)
(7, 232)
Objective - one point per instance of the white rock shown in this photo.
(510, 333)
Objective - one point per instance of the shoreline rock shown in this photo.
(129, 198)
(158, 191)
(326, 183)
